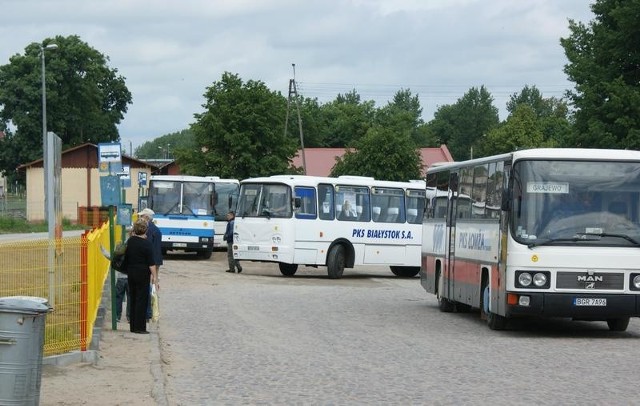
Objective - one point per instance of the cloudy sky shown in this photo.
(169, 51)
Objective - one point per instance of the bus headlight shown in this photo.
(539, 279)
(635, 282)
(533, 279)
(524, 279)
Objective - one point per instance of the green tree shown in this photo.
(384, 154)
(241, 132)
(404, 111)
(604, 64)
(167, 145)
(547, 117)
(86, 99)
(346, 119)
(463, 125)
(521, 130)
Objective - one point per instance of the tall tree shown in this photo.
(604, 63)
(462, 125)
(241, 132)
(404, 111)
(551, 115)
(86, 99)
(383, 153)
(521, 130)
(346, 119)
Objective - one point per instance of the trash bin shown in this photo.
(22, 321)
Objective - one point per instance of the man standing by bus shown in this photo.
(228, 237)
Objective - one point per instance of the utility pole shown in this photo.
(293, 93)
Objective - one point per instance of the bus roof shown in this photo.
(190, 178)
(306, 180)
(547, 153)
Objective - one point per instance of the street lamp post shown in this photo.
(44, 118)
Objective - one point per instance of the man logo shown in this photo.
(590, 285)
(590, 278)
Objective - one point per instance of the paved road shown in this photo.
(369, 338)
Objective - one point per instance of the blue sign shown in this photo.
(142, 179)
(124, 214)
(110, 190)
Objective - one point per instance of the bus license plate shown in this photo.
(583, 301)
(180, 244)
(253, 248)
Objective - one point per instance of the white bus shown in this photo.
(550, 233)
(333, 222)
(191, 211)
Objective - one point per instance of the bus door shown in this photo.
(450, 250)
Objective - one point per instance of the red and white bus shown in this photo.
(540, 232)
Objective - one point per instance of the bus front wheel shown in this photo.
(287, 269)
(405, 271)
(335, 262)
(494, 321)
(620, 324)
(206, 254)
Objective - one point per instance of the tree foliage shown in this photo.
(464, 124)
(86, 99)
(241, 132)
(346, 120)
(383, 153)
(521, 130)
(604, 63)
(166, 145)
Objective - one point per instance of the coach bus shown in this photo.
(190, 211)
(333, 222)
(553, 233)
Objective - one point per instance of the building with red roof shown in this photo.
(320, 161)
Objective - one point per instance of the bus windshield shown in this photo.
(265, 200)
(225, 199)
(187, 198)
(574, 202)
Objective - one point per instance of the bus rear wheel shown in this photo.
(445, 305)
(405, 271)
(335, 262)
(287, 269)
(620, 324)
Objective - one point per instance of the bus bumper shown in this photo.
(187, 246)
(565, 305)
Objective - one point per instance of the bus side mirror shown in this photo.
(297, 202)
(506, 202)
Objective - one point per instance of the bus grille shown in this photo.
(593, 281)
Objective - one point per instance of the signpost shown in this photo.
(113, 195)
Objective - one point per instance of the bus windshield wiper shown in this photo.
(553, 240)
(623, 236)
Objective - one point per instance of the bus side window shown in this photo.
(376, 213)
(307, 209)
(326, 202)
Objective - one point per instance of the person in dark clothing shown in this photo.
(141, 272)
(228, 237)
(154, 235)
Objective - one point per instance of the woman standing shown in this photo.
(141, 272)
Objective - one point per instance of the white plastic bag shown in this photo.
(155, 306)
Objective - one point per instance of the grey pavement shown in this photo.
(258, 338)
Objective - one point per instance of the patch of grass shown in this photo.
(9, 225)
